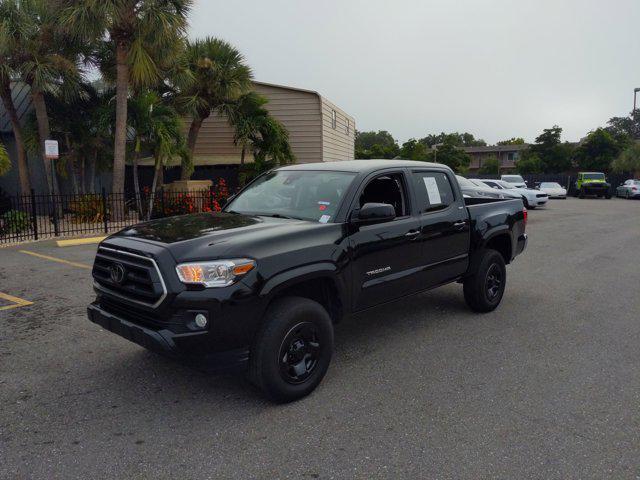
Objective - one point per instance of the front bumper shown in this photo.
(166, 342)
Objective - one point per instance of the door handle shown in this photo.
(460, 225)
(412, 233)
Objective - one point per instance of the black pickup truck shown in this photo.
(262, 282)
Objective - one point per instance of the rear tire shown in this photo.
(292, 349)
(580, 193)
(483, 290)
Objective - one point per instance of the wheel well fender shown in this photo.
(318, 282)
(500, 239)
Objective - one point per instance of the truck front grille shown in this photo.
(129, 276)
(542, 195)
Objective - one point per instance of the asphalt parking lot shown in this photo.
(547, 386)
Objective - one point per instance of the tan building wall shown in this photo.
(306, 115)
(338, 131)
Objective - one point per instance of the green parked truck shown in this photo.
(592, 183)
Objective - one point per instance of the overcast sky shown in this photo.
(495, 68)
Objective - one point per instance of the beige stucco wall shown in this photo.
(338, 143)
(305, 115)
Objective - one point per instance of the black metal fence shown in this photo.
(36, 216)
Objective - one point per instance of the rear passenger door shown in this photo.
(444, 226)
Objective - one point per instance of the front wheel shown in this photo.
(483, 290)
(292, 349)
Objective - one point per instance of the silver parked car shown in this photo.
(531, 198)
(629, 189)
(473, 190)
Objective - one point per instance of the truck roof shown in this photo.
(361, 166)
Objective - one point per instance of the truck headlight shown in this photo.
(220, 273)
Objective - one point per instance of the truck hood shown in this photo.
(211, 235)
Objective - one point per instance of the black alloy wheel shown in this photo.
(493, 281)
(299, 353)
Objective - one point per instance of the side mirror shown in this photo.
(372, 213)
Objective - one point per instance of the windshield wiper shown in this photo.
(279, 215)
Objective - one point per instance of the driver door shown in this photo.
(386, 256)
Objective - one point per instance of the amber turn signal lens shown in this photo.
(242, 269)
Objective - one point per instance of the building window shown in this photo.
(348, 127)
(334, 119)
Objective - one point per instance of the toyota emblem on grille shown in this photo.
(117, 273)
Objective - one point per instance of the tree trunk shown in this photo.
(192, 139)
(154, 185)
(91, 172)
(244, 149)
(136, 180)
(23, 168)
(44, 132)
(120, 145)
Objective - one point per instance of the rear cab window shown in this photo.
(433, 191)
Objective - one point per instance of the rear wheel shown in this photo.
(292, 350)
(581, 193)
(484, 289)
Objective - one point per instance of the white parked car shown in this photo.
(553, 189)
(515, 180)
(531, 198)
(629, 189)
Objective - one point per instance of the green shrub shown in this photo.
(87, 209)
(15, 221)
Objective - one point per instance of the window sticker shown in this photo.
(432, 190)
(324, 218)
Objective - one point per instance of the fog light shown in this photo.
(201, 320)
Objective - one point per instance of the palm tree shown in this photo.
(220, 77)
(7, 75)
(46, 59)
(156, 128)
(139, 33)
(247, 116)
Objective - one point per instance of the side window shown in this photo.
(434, 191)
(386, 189)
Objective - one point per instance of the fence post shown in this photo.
(34, 216)
(104, 211)
(56, 228)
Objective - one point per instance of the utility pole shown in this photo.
(635, 92)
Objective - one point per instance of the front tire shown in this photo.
(292, 349)
(483, 290)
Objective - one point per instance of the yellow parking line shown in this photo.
(54, 259)
(79, 241)
(17, 302)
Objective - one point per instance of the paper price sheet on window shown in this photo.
(432, 190)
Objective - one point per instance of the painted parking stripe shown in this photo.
(54, 259)
(79, 241)
(15, 301)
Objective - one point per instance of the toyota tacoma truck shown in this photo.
(261, 283)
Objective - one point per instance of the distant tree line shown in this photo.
(443, 148)
(615, 147)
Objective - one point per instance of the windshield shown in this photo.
(464, 182)
(550, 185)
(305, 195)
(504, 184)
(513, 178)
(593, 176)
